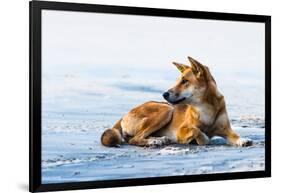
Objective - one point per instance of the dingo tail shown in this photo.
(112, 137)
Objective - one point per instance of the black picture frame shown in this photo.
(35, 8)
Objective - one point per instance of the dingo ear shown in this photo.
(181, 67)
(197, 68)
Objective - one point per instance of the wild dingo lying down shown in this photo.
(195, 110)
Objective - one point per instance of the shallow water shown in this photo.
(78, 105)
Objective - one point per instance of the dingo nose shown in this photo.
(166, 95)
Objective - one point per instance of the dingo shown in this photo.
(196, 110)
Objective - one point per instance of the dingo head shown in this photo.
(192, 85)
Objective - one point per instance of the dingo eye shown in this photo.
(183, 81)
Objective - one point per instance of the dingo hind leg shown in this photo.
(142, 138)
(153, 117)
